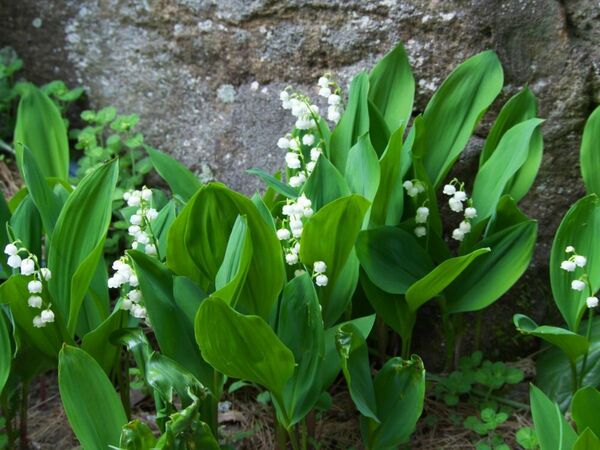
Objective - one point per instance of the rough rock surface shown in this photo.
(188, 67)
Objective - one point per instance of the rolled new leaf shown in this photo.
(91, 403)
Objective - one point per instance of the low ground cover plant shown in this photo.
(297, 289)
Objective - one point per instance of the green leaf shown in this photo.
(78, 237)
(353, 123)
(95, 343)
(136, 435)
(179, 178)
(329, 236)
(455, 109)
(590, 153)
(434, 283)
(6, 350)
(392, 87)
(232, 273)
(354, 358)
(325, 184)
(300, 328)
(45, 201)
(383, 255)
(587, 441)
(399, 393)
(519, 108)
(93, 408)
(26, 226)
(362, 168)
(242, 347)
(579, 228)
(198, 240)
(278, 186)
(584, 408)
(40, 127)
(483, 283)
(574, 345)
(388, 203)
(553, 431)
(495, 174)
(160, 226)
(168, 320)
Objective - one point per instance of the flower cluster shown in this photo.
(140, 228)
(295, 159)
(458, 196)
(291, 226)
(319, 269)
(126, 278)
(570, 265)
(413, 189)
(331, 91)
(301, 108)
(28, 266)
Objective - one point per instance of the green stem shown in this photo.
(406, 342)
(293, 439)
(449, 337)
(10, 434)
(303, 434)
(280, 434)
(573, 375)
(23, 416)
(588, 335)
(382, 339)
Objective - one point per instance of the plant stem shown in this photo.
(382, 339)
(588, 335)
(478, 318)
(280, 434)
(574, 375)
(303, 435)
(23, 444)
(10, 434)
(449, 337)
(293, 439)
(406, 342)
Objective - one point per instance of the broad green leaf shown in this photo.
(574, 345)
(96, 342)
(325, 184)
(388, 203)
(242, 347)
(587, 441)
(179, 178)
(434, 283)
(354, 358)
(399, 393)
(45, 201)
(590, 153)
(188, 296)
(553, 431)
(495, 174)
(580, 228)
(6, 350)
(585, 407)
(232, 273)
(353, 123)
(26, 226)
(198, 240)
(300, 328)
(392, 258)
(264, 210)
(91, 403)
(392, 87)
(277, 185)
(329, 236)
(392, 308)
(519, 108)
(168, 320)
(80, 230)
(362, 169)
(379, 132)
(481, 284)
(455, 109)
(40, 127)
